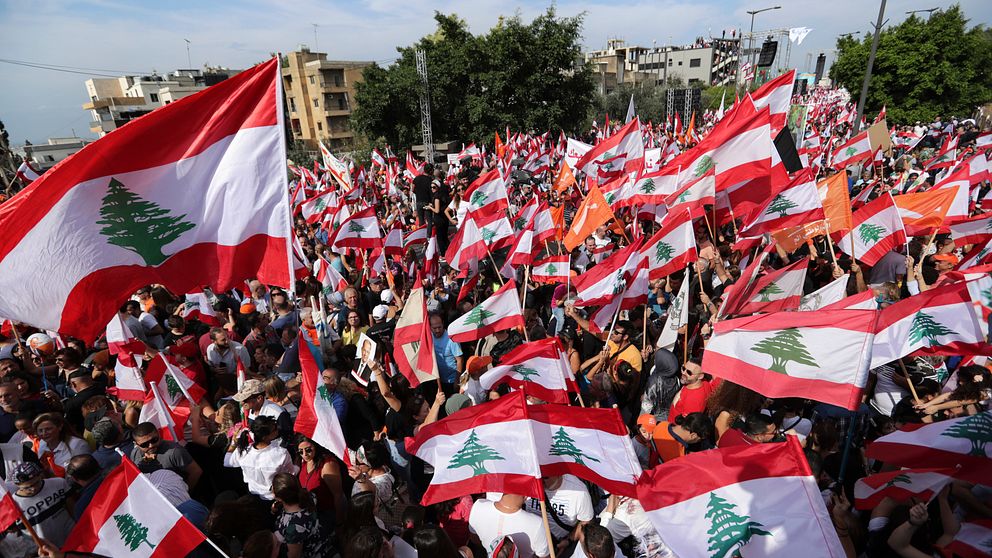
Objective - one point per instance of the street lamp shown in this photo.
(750, 42)
(928, 12)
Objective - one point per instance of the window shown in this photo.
(695, 62)
(680, 62)
(292, 104)
(670, 61)
(316, 103)
(320, 127)
(312, 80)
(153, 97)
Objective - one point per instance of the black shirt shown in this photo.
(422, 190)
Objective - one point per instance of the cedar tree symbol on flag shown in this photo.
(172, 386)
(871, 233)
(553, 269)
(563, 444)
(487, 235)
(138, 225)
(663, 252)
(901, 478)
(768, 290)
(924, 326)
(703, 166)
(474, 454)
(324, 393)
(355, 226)
(976, 429)
(781, 205)
(729, 531)
(133, 533)
(478, 198)
(524, 372)
(648, 187)
(783, 347)
(850, 151)
(478, 315)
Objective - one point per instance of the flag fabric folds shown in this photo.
(316, 419)
(496, 313)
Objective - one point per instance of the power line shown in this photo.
(71, 69)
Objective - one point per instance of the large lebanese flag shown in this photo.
(175, 384)
(553, 269)
(487, 447)
(359, 230)
(671, 248)
(694, 194)
(317, 419)
(603, 282)
(191, 194)
(412, 337)
(486, 197)
(591, 444)
(855, 150)
(781, 289)
(498, 312)
(877, 229)
(776, 95)
(128, 516)
(900, 485)
(940, 321)
(625, 146)
(538, 366)
(795, 203)
(821, 355)
(972, 231)
(961, 443)
(759, 500)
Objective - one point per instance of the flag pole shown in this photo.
(547, 528)
(27, 524)
(495, 267)
(909, 382)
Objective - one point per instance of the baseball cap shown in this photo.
(949, 258)
(648, 422)
(456, 403)
(476, 363)
(380, 312)
(27, 471)
(248, 389)
(375, 280)
(386, 296)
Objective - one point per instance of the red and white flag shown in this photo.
(498, 312)
(755, 501)
(393, 245)
(647, 188)
(486, 197)
(832, 292)
(330, 280)
(855, 150)
(26, 174)
(314, 209)
(822, 355)
(317, 419)
(412, 340)
(781, 289)
(877, 230)
(538, 366)
(552, 269)
(183, 213)
(673, 247)
(740, 291)
(609, 278)
(901, 486)
(178, 383)
(624, 150)
(415, 237)
(197, 307)
(694, 194)
(169, 420)
(959, 443)
(973, 540)
(474, 241)
(129, 383)
(359, 230)
(9, 512)
(795, 203)
(776, 95)
(487, 447)
(130, 517)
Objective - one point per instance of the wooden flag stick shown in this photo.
(644, 333)
(547, 528)
(495, 267)
(523, 302)
(912, 388)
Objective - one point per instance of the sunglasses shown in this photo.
(149, 442)
(306, 450)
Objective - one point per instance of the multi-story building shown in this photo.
(44, 156)
(706, 62)
(320, 96)
(115, 101)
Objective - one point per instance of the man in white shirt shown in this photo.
(223, 354)
(569, 506)
(491, 521)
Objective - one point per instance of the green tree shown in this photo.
(563, 444)
(478, 316)
(781, 205)
(663, 252)
(784, 347)
(767, 291)
(925, 67)
(326, 394)
(729, 531)
(703, 166)
(487, 235)
(552, 269)
(478, 198)
(474, 454)
(648, 187)
(977, 429)
(649, 102)
(871, 233)
(924, 326)
(137, 224)
(355, 227)
(519, 223)
(133, 533)
(518, 74)
(172, 386)
(523, 371)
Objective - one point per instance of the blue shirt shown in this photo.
(446, 352)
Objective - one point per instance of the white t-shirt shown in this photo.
(46, 510)
(259, 466)
(572, 503)
(63, 452)
(887, 392)
(525, 528)
(148, 322)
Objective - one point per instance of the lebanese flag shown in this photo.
(120, 340)
(592, 444)
(415, 237)
(498, 312)
(574, 151)
(525, 215)
(960, 443)
(393, 245)
(781, 289)
(359, 230)
(759, 500)
(944, 159)
(191, 194)
(634, 294)
(316, 419)
(314, 209)
(876, 230)
(672, 248)
(538, 367)
(130, 517)
(9, 512)
(197, 307)
(923, 212)
(330, 280)
(939, 321)
(486, 197)
(901, 486)
(609, 278)
(415, 358)
(129, 383)
(832, 292)
(980, 253)
(972, 231)
(179, 384)
(973, 540)
(796, 202)
(544, 224)
(475, 241)
(552, 269)
(487, 447)
(695, 194)
(822, 355)
(740, 291)
(521, 252)
(776, 95)
(378, 159)
(625, 143)
(26, 173)
(168, 420)
(337, 168)
(856, 149)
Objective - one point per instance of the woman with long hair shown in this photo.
(433, 541)
(368, 543)
(55, 445)
(260, 461)
(297, 525)
(320, 475)
(732, 402)
(353, 328)
(969, 397)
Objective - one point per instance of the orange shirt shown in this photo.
(666, 445)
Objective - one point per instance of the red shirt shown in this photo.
(691, 401)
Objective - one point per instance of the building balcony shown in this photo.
(329, 86)
(114, 102)
(337, 112)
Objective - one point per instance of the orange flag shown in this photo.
(500, 148)
(565, 178)
(922, 212)
(592, 212)
(836, 202)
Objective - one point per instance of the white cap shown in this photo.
(380, 312)
(386, 296)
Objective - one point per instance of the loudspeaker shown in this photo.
(821, 61)
(767, 55)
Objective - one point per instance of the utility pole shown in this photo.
(425, 107)
(871, 62)
(750, 41)
(189, 63)
(315, 26)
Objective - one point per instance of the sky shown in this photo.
(115, 37)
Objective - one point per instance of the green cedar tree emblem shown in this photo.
(518, 223)
(524, 372)
(784, 347)
(728, 531)
(683, 197)
(703, 166)
(563, 444)
(172, 386)
(137, 224)
(488, 235)
(977, 429)
(355, 227)
(320, 205)
(871, 233)
(781, 205)
(986, 297)
(618, 282)
(850, 152)
(609, 197)
(325, 393)
(648, 186)
(904, 479)
(133, 533)
(925, 327)
(478, 198)
(478, 316)
(474, 454)
(190, 305)
(768, 290)
(663, 252)
(552, 269)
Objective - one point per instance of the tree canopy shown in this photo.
(522, 75)
(924, 67)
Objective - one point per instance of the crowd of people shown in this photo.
(242, 474)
